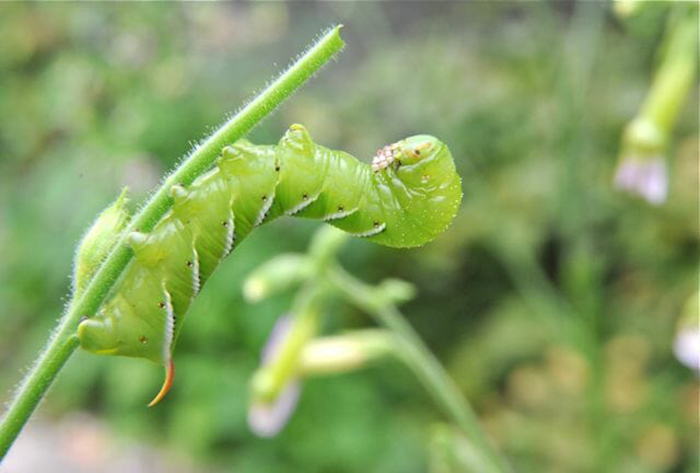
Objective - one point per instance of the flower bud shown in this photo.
(643, 176)
(626, 8)
(97, 242)
(266, 419)
(275, 386)
(276, 275)
(343, 353)
(642, 167)
(396, 291)
(326, 243)
(686, 345)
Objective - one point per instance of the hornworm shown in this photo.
(408, 195)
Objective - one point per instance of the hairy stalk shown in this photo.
(421, 360)
(62, 344)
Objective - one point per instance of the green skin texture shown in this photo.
(404, 204)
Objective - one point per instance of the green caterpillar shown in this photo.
(408, 195)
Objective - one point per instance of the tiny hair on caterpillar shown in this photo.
(408, 195)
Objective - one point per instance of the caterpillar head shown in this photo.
(420, 190)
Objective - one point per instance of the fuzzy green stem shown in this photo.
(63, 343)
(674, 78)
(421, 360)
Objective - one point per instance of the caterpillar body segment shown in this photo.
(407, 196)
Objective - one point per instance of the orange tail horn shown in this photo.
(169, 376)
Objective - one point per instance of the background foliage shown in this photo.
(553, 299)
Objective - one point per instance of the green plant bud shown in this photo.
(279, 274)
(643, 137)
(626, 8)
(396, 291)
(275, 386)
(347, 352)
(280, 359)
(98, 241)
(326, 243)
(280, 355)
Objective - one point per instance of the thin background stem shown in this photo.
(423, 362)
(63, 343)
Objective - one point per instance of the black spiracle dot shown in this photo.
(161, 304)
(264, 198)
(305, 196)
(224, 223)
(376, 224)
(277, 168)
(143, 339)
(190, 264)
(341, 208)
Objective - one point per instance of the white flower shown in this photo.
(646, 177)
(686, 347)
(267, 418)
(312, 357)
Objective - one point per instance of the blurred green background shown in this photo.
(552, 300)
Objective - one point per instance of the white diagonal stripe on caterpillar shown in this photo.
(305, 203)
(264, 210)
(169, 331)
(377, 229)
(338, 215)
(196, 284)
(230, 234)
